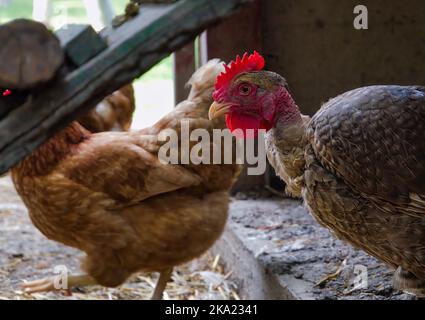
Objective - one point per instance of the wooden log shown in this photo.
(29, 54)
(133, 49)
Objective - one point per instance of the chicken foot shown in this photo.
(51, 284)
(164, 277)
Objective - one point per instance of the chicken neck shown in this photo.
(286, 143)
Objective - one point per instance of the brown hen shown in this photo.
(114, 113)
(108, 195)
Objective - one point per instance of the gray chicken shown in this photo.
(359, 163)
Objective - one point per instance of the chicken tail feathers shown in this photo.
(408, 282)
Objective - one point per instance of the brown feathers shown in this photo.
(110, 196)
(115, 113)
(45, 159)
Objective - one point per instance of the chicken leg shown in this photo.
(164, 277)
(50, 284)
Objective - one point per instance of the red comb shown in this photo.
(7, 93)
(253, 62)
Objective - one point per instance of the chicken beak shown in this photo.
(218, 109)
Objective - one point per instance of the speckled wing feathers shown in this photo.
(373, 138)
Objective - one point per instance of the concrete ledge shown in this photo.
(277, 251)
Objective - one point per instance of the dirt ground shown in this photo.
(284, 238)
(287, 241)
(25, 254)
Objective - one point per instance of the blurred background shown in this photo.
(154, 90)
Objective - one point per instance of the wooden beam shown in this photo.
(42, 11)
(107, 11)
(133, 49)
(183, 68)
(73, 36)
(236, 35)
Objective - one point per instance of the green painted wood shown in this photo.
(80, 43)
(133, 49)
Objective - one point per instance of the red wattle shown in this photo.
(244, 123)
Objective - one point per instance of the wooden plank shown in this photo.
(183, 68)
(42, 11)
(80, 42)
(236, 35)
(106, 9)
(11, 101)
(133, 49)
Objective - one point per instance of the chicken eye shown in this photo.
(245, 89)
